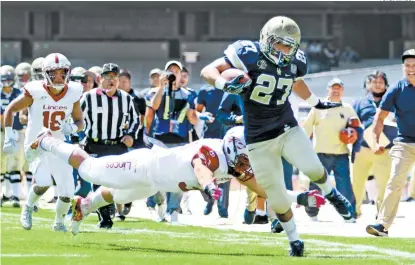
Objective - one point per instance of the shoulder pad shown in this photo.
(76, 89)
(243, 54)
(347, 105)
(300, 62)
(34, 89)
(209, 157)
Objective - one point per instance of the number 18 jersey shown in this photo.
(267, 111)
(48, 110)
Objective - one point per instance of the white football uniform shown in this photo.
(49, 111)
(143, 172)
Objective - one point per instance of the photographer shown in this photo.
(174, 111)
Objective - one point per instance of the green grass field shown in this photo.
(139, 241)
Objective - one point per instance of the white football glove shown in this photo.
(68, 128)
(10, 146)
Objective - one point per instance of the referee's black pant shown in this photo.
(98, 149)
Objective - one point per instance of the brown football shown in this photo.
(231, 73)
(348, 135)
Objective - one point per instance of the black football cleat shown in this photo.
(377, 230)
(342, 205)
(276, 226)
(261, 219)
(297, 248)
(120, 218)
(127, 208)
(249, 217)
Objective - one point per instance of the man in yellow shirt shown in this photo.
(325, 126)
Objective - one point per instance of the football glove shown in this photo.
(311, 199)
(212, 190)
(235, 87)
(147, 142)
(327, 105)
(10, 142)
(206, 116)
(68, 128)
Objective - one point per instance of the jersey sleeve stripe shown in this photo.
(233, 57)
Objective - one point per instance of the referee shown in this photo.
(111, 123)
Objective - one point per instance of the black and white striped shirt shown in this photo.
(107, 117)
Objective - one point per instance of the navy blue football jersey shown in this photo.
(5, 101)
(267, 112)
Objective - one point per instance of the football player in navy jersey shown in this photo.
(276, 66)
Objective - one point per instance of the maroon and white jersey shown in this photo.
(48, 110)
(172, 170)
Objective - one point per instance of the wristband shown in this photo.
(312, 100)
(220, 83)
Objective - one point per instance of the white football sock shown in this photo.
(32, 197)
(16, 184)
(290, 229)
(57, 147)
(8, 186)
(29, 178)
(326, 187)
(1, 183)
(260, 212)
(61, 211)
(97, 201)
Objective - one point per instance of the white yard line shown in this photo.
(42, 255)
(317, 244)
(390, 252)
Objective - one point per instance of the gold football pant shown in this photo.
(3, 156)
(265, 158)
(364, 162)
(254, 202)
(403, 160)
(412, 185)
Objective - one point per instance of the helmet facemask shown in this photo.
(23, 79)
(37, 74)
(243, 167)
(278, 57)
(50, 76)
(7, 80)
(240, 166)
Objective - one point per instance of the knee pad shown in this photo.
(319, 178)
(65, 199)
(40, 190)
(285, 217)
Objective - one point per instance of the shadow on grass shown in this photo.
(117, 247)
